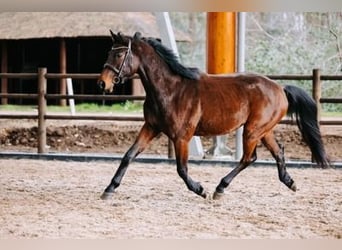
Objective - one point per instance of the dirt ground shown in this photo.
(52, 199)
(117, 137)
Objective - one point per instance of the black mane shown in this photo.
(173, 61)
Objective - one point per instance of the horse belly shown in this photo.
(219, 125)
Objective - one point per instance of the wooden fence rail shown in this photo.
(42, 96)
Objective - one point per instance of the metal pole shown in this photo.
(70, 91)
(166, 31)
(240, 68)
(41, 110)
(168, 38)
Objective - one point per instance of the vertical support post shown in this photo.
(168, 38)
(71, 92)
(317, 91)
(62, 66)
(221, 42)
(4, 69)
(41, 110)
(221, 45)
(316, 94)
(240, 68)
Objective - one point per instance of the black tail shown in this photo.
(305, 110)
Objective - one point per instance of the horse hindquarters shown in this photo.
(305, 110)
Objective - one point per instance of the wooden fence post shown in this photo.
(4, 69)
(317, 91)
(41, 110)
(63, 70)
(221, 59)
(316, 94)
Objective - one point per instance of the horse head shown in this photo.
(120, 64)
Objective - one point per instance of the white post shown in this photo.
(71, 92)
(168, 38)
(240, 68)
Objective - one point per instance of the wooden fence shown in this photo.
(42, 76)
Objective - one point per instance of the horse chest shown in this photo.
(173, 117)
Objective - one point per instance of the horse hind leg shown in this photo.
(249, 156)
(277, 151)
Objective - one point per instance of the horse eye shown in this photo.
(118, 55)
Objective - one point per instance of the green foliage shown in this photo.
(126, 107)
(11, 107)
(278, 43)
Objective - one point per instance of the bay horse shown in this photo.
(182, 102)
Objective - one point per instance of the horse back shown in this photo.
(229, 101)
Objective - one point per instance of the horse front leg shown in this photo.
(146, 134)
(181, 151)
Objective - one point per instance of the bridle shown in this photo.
(117, 78)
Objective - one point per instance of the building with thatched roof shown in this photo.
(65, 42)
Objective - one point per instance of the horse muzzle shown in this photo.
(103, 86)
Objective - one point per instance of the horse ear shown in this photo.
(137, 36)
(114, 37)
(120, 35)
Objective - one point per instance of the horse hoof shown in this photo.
(293, 187)
(217, 196)
(106, 196)
(205, 195)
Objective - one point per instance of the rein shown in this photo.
(117, 79)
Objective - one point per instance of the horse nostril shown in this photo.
(101, 84)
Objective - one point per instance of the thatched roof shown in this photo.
(26, 25)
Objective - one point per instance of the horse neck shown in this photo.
(157, 78)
